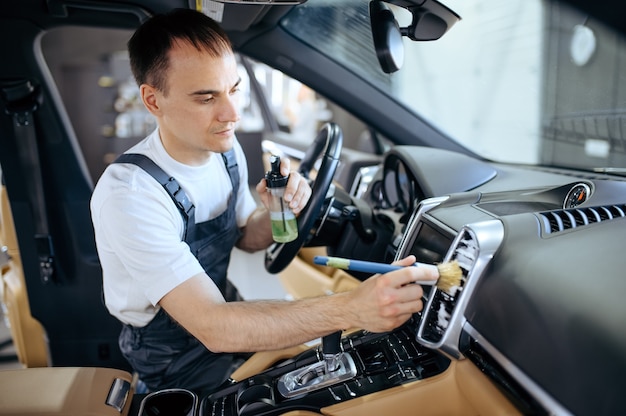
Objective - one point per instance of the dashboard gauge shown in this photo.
(405, 188)
(390, 193)
(399, 186)
(577, 195)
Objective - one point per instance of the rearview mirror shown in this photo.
(431, 20)
(387, 37)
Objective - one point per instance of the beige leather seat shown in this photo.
(303, 279)
(67, 391)
(28, 335)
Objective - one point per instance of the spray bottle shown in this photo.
(284, 224)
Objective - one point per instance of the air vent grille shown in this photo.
(441, 308)
(565, 219)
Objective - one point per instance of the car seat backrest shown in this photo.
(28, 335)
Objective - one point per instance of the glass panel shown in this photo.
(525, 81)
(298, 109)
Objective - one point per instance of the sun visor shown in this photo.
(232, 16)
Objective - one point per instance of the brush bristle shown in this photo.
(450, 275)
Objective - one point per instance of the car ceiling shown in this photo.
(237, 17)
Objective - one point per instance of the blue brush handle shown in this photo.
(355, 265)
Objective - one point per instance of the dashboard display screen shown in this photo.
(430, 245)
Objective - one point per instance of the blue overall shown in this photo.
(163, 353)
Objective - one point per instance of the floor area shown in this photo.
(247, 272)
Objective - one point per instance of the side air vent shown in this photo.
(443, 317)
(565, 219)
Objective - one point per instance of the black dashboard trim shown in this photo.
(513, 391)
(524, 393)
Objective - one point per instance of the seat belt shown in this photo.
(22, 100)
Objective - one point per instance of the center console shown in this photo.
(367, 363)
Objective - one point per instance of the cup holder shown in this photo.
(169, 402)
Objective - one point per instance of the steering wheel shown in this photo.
(330, 138)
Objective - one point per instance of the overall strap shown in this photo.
(230, 161)
(172, 187)
(170, 184)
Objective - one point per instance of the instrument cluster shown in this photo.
(400, 190)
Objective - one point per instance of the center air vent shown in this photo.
(443, 316)
(565, 219)
(440, 310)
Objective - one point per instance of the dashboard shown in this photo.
(542, 279)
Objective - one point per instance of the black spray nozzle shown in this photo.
(273, 177)
(275, 164)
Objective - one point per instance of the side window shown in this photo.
(300, 111)
(297, 109)
(250, 111)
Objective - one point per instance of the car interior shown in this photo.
(512, 165)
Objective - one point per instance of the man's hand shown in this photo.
(297, 192)
(385, 301)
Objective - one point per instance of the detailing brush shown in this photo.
(450, 273)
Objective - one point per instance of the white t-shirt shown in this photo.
(139, 230)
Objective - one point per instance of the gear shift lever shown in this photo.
(331, 351)
(333, 367)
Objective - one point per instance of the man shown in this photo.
(164, 250)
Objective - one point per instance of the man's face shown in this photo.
(198, 112)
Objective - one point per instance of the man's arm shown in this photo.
(379, 304)
(257, 234)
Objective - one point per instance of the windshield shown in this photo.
(522, 81)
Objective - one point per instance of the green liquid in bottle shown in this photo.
(284, 230)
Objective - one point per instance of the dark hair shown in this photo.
(150, 44)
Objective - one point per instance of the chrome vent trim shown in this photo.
(423, 207)
(364, 177)
(566, 219)
(444, 315)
